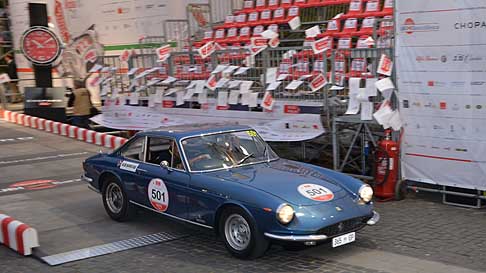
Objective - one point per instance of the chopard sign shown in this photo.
(470, 25)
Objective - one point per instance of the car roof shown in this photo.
(182, 131)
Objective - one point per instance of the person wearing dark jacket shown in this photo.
(12, 73)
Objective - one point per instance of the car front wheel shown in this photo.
(241, 237)
(116, 202)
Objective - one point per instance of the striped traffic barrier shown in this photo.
(63, 129)
(17, 235)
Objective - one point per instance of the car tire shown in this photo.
(241, 235)
(115, 201)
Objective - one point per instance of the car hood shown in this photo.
(282, 178)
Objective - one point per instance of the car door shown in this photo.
(205, 196)
(205, 192)
(164, 186)
(129, 166)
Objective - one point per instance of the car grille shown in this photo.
(344, 226)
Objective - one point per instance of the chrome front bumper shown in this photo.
(89, 180)
(375, 219)
(313, 238)
(86, 179)
(296, 238)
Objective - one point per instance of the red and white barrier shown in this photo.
(17, 235)
(62, 129)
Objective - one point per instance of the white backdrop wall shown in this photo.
(441, 72)
(117, 22)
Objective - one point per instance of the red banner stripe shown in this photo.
(19, 232)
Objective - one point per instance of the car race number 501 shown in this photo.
(158, 195)
(316, 192)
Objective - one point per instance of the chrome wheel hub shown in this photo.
(114, 198)
(237, 232)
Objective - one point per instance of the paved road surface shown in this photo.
(415, 235)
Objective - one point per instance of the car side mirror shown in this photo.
(164, 164)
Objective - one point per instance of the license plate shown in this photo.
(344, 239)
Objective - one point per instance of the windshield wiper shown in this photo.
(245, 159)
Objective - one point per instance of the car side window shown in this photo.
(176, 157)
(134, 150)
(162, 149)
(158, 150)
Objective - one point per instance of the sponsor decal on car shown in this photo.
(129, 166)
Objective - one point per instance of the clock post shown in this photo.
(38, 17)
(42, 47)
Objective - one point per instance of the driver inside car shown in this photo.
(176, 157)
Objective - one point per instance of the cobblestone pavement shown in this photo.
(421, 226)
(418, 234)
(415, 227)
(201, 253)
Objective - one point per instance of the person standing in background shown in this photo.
(12, 73)
(80, 100)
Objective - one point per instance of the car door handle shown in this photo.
(204, 190)
(142, 170)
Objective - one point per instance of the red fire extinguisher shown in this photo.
(386, 168)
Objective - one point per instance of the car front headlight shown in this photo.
(285, 214)
(366, 193)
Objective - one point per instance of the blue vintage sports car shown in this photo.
(228, 179)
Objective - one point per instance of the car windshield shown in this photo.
(226, 150)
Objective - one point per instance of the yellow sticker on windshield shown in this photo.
(251, 133)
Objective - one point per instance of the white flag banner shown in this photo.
(268, 101)
(269, 34)
(318, 82)
(295, 23)
(163, 53)
(322, 45)
(312, 32)
(385, 66)
(207, 50)
(286, 122)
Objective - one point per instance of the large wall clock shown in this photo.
(40, 45)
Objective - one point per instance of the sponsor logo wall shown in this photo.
(441, 71)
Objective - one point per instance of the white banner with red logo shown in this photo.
(285, 122)
(441, 56)
(318, 82)
(207, 50)
(163, 53)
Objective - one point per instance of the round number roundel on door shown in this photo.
(158, 195)
(316, 192)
